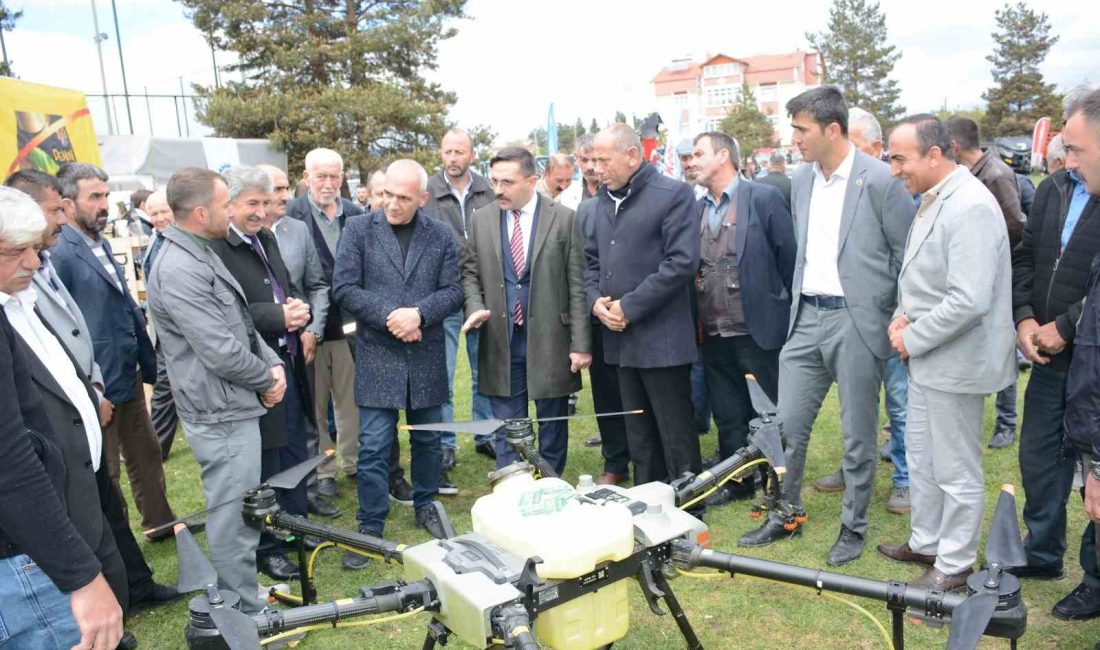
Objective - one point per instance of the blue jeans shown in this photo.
(895, 381)
(700, 407)
(481, 409)
(376, 429)
(33, 612)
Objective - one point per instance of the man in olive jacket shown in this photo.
(523, 276)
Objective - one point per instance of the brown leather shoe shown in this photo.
(933, 578)
(903, 553)
(611, 478)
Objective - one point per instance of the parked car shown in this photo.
(1015, 150)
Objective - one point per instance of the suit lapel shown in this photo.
(389, 242)
(85, 253)
(495, 240)
(417, 244)
(544, 221)
(852, 195)
(802, 209)
(919, 232)
(742, 216)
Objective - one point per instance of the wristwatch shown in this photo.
(1094, 469)
(418, 313)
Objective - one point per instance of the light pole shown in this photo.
(122, 65)
(99, 38)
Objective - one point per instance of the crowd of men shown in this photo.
(282, 326)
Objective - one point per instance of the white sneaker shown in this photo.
(265, 592)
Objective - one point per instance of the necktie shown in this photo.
(516, 246)
(277, 289)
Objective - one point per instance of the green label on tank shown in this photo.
(544, 501)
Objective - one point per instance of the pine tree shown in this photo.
(344, 74)
(745, 122)
(578, 128)
(594, 127)
(7, 24)
(856, 58)
(1023, 40)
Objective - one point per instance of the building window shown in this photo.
(767, 92)
(681, 99)
(721, 96)
(721, 70)
(712, 124)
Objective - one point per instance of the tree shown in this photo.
(343, 74)
(1020, 97)
(7, 24)
(578, 128)
(856, 58)
(620, 117)
(594, 127)
(483, 137)
(745, 122)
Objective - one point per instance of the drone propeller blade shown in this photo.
(289, 479)
(590, 415)
(196, 572)
(768, 440)
(969, 620)
(476, 427)
(237, 629)
(761, 403)
(1004, 545)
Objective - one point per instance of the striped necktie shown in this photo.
(516, 246)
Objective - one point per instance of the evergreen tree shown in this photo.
(745, 122)
(620, 117)
(344, 74)
(594, 127)
(856, 58)
(7, 24)
(1020, 97)
(578, 128)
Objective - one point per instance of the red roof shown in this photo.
(767, 68)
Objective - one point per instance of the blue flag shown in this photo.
(551, 132)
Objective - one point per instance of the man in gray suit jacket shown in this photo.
(851, 218)
(954, 326)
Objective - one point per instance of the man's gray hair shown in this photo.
(246, 178)
(1075, 95)
(558, 161)
(322, 156)
(70, 175)
(409, 166)
(21, 220)
(1056, 149)
(622, 137)
(865, 123)
(462, 132)
(1089, 106)
(585, 142)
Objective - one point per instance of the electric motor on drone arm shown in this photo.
(548, 564)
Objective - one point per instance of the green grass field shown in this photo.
(737, 613)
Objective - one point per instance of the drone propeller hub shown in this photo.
(1007, 586)
(199, 607)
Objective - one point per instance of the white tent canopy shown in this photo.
(140, 161)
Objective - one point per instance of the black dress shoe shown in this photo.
(428, 519)
(401, 491)
(1081, 604)
(1037, 572)
(153, 596)
(727, 494)
(354, 561)
(766, 534)
(327, 487)
(487, 449)
(128, 641)
(318, 506)
(848, 547)
(278, 567)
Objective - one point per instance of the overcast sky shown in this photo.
(511, 58)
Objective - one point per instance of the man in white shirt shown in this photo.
(851, 220)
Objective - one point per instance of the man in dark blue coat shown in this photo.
(642, 254)
(397, 275)
(743, 291)
(86, 266)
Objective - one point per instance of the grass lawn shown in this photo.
(742, 613)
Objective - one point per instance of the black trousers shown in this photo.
(607, 399)
(726, 361)
(273, 461)
(118, 552)
(162, 408)
(663, 444)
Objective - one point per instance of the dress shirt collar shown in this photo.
(843, 170)
(532, 205)
(727, 194)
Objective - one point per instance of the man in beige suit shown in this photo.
(522, 273)
(954, 326)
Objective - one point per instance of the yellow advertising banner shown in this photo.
(42, 127)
